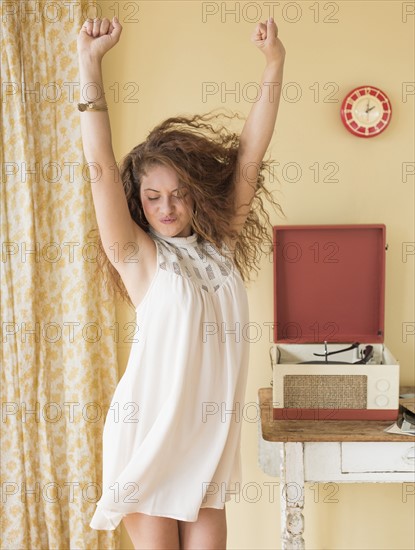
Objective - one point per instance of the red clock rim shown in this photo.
(343, 115)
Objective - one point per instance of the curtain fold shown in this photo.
(59, 362)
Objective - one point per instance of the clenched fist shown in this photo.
(98, 36)
(265, 37)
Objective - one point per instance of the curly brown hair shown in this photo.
(204, 157)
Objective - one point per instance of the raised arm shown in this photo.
(259, 126)
(116, 227)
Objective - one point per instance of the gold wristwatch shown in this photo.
(92, 106)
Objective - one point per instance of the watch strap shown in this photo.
(92, 106)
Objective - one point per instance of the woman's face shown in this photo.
(167, 205)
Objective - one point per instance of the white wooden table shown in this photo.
(327, 452)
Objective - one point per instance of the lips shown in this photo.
(168, 220)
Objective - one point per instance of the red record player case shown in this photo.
(329, 286)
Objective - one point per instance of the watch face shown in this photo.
(366, 111)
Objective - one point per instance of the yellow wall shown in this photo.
(173, 53)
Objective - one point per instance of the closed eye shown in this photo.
(179, 195)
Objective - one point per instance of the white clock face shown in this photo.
(367, 111)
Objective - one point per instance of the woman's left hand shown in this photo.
(265, 37)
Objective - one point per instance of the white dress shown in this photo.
(171, 441)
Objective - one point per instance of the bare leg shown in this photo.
(207, 533)
(152, 532)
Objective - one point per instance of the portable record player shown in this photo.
(329, 359)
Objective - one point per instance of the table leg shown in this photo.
(292, 496)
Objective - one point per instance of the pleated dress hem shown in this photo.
(108, 520)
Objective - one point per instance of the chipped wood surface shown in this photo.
(322, 430)
(292, 496)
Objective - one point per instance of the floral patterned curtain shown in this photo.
(59, 364)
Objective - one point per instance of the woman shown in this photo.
(186, 218)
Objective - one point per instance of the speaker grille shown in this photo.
(325, 391)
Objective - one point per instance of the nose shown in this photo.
(167, 205)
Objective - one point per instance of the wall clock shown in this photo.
(366, 111)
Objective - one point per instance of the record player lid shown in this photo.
(329, 283)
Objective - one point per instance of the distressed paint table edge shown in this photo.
(284, 431)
